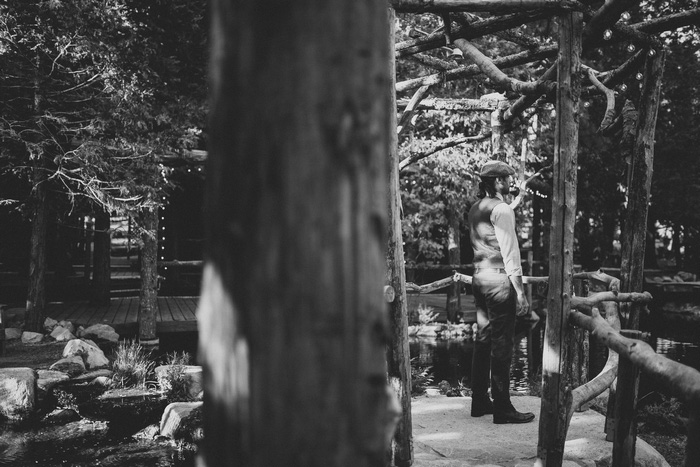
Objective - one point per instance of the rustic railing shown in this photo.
(598, 314)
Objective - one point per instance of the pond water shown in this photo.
(674, 335)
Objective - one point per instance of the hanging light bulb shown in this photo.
(607, 35)
(586, 104)
(652, 52)
(639, 76)
(631, 48)
(623, 87)
(625, 16)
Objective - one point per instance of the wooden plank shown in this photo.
(115, 309)
(132, 315)
(181, 304)
(175, 310)
(189, 306)
(164, 313)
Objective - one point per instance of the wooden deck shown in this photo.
(175, 314)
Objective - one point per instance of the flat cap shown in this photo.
(496, 169)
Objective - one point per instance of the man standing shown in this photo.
(499, 295)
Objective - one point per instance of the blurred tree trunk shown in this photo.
(292, 321)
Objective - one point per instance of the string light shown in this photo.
(607, 35)
(631, 48)
(639, 76)
(625, 16)
(623, 87)
(586, 104)
(652, 52)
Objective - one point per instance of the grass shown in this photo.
(131, 366)
(173, 382)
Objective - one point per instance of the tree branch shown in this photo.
(444, 144)
(410, 108)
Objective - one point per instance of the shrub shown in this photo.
(173, 381)
(131, 365)
(420, 378)
(426, 315)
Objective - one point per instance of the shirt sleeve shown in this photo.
(503, 220)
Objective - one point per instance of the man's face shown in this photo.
(503, 184)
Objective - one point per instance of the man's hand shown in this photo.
(523, 307)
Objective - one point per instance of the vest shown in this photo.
(487, 253)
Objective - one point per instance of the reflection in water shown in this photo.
(451, 360)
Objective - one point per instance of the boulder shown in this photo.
(13, 334)
(92, 355)
(585, 448)
(68, 325)
(100, 332)
(62, 334)
(61, 417)
(92, 375)
(29, 337)
(189, 375)
(182, 420)
(50, 324)
(18, 388)
(72, 365)
(47, 379)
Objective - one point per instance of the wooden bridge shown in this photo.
(175, 314)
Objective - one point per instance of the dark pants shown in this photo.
(495, 300)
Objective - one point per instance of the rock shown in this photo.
(68, 325)
(17, 393)
(72, 365)
(101, 332)
(47, 379)
(104, 381)
(29, 337)
(182, 420)
(50, 324)
(584, 448)
(62, 334)
(91, 375)
(61, 417)
(191, 378)
(150, 432)
(92, 355)
(13, 334)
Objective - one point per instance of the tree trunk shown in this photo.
(398, 355)
(36, 295)
(101, 275)
(148, 301)
(556, 392)
(454, 302)
(292, 321)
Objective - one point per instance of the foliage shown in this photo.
(131, 365)
(173, 382)
(421, 377)
(460, 390)
(426, 315)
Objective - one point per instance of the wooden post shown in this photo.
(101, 259)
(398, 355)
(625, 408)
(638, 193)
(556, 393)
(148, 301)
(454, 298)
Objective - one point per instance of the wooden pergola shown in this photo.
(581, 27)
